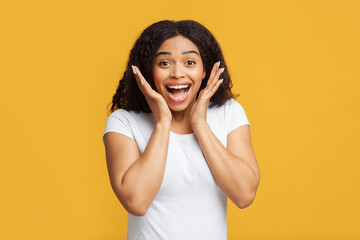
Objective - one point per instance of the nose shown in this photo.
(178, 71)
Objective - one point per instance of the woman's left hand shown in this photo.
(199, 109)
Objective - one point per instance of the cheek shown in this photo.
(157, 76)
(196, 75)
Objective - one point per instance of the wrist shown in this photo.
(200, 126)
(163, 124)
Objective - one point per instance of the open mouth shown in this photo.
(178, 93)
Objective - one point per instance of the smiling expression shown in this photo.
(178, 72)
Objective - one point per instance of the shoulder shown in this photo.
(131, 119)
(125, 115)
(233, 105)
(129, 123)
(232, 114)
(229, 106)
(120, 113)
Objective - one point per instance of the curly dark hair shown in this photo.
(128, 95)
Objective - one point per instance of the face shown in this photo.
(178, 72)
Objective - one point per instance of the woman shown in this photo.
(177, 143)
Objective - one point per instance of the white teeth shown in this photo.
(178, 86)
(186, 91)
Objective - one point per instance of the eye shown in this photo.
(164, 63)
(190, 62)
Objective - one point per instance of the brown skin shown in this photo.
(136, 178)
(181, 64)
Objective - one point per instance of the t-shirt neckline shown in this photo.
(182, 135)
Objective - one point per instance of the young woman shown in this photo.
(177, 143)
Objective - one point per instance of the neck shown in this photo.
(180, 122)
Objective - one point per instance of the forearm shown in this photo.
(234, 176)
(143, 179)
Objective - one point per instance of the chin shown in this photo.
(178, 108)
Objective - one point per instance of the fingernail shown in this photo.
(133, 69)
(221, 80)
(218, 65)
(222, 70)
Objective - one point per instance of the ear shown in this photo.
(204, 74)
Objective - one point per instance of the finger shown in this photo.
(145, 87)
(138, 76)
(201, 93)
(212, 91)
(141, 81)
(213, 72)
(216, 78)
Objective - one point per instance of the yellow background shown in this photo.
(295, 64)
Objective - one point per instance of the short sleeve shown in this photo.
(236, 116)
(118, 121)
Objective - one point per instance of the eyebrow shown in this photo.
(169, 53)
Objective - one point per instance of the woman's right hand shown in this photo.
(156, 102)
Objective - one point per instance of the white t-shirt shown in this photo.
(189, 204)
